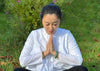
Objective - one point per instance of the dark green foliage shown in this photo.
(2, 5)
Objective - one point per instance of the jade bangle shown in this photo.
(56, 54)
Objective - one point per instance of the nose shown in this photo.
(51, 27)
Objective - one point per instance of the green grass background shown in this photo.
(81, 17)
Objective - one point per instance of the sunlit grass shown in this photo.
(81, 18)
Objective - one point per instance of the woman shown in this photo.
(51, 48)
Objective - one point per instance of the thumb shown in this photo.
(51, 37)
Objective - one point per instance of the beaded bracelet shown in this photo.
(56, 54)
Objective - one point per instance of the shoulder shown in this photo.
(63, 31)
(37, 31)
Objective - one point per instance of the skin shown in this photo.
(50, 23)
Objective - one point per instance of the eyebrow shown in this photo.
(53, 22)
(46, 22)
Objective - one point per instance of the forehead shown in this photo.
(50, 17)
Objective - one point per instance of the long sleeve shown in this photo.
(31, 53)
(73, 57)
(64, 43)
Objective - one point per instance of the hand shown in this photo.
(49, 46)
(45, 53)
(52, 50)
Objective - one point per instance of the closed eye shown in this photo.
(55, 24)
(47, 24)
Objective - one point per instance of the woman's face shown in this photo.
(50, 23)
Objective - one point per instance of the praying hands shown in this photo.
(50, 48)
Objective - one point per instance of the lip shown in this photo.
(51, 31)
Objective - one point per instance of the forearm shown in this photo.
(70, 59)
(30, 59)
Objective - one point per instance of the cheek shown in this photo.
(46, 27)
(56, 26)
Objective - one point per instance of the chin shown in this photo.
(50, 33)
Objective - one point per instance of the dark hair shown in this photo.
(51, 9)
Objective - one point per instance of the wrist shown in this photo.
(53, 53)
(56, 55)
(45, 53)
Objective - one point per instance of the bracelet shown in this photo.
(43, 55)
(56, 54)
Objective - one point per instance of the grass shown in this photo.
(8, 47)
(85, 27)
(80, 17)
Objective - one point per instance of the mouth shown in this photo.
(51, 32)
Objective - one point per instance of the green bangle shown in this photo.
(56, 54)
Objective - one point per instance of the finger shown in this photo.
(51, 37)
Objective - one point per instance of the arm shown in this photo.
(29, 57)
(73, 57)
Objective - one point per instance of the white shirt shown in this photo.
(64, 43)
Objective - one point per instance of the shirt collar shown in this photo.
(47, 35)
